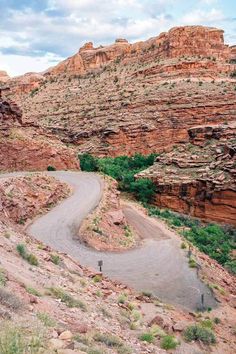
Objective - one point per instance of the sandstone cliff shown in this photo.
(25, 148)
(199, 178)
(142, 97)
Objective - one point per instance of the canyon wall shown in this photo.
(199, 179)
(23, 148)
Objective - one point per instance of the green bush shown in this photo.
(88, 163)
(215, 240)
(3, 278)
(51, 168)
(169, 342)
(123, 169)
(21, 250)
(55, 259)
(144, 189)
(199, 333)
(32, 259)
(32, 291)
(147, 337)
(29, 257)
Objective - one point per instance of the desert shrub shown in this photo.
(13, 340)
(108, 339)
(55, 259)
(3, 278)
(51, 168)
(147, 337)
(33, 291)
(199, 333)
(69, 300)
(32, 259)
(21, 250)
(10, 300)
(169, 342)
(207, 323)
(192, 263)
(122, 299)
(29, 257)
(46, 319)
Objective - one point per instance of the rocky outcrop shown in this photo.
(28, 83)
(179, 41)
(106, 228)
(24, 148)
(199, 180)
(4, 77)
(40, 193)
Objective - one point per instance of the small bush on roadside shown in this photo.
(122, 299)
(51, 168)
(55, 259)
(199, 333)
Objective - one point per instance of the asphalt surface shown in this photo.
(158, 265)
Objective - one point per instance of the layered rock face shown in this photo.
(179, 41)
(200, 178)
(24, 148)
(143, 97)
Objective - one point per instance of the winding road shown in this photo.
(159, 265)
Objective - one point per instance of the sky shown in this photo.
(37, 34)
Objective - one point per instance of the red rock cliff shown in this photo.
(22, 148)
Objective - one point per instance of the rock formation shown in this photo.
(179, 41)
(142, 97)
(199, 178)
(4, 77)
(24, 148)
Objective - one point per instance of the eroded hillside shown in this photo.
(143, 97)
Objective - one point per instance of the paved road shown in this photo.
(159, 265)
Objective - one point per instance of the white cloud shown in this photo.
(203, 17)
(18, 64)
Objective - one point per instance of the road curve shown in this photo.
(159, 265)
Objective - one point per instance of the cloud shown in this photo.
(201, 17)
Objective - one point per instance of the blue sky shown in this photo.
(37, 34)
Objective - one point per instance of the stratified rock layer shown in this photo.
(199, 180)
(141, 97)
(23, 148)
